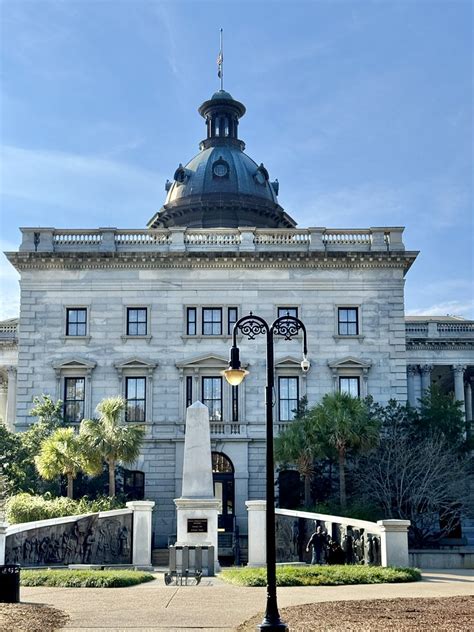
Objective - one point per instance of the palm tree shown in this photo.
(111, 440)
(343, 424)
(63, 453)
(298, 444)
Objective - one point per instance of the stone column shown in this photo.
(412, 370)
(3, 401)
(458, 370)
(257, 552)
(425, 378)
(142, 533)
(11, 398)
(3, 541)
(394, 542)
(468, 399)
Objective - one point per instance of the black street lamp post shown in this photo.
(287, 327)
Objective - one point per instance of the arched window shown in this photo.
(223, 476)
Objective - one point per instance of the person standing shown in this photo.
(317, 541)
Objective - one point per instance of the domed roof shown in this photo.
(221, 186)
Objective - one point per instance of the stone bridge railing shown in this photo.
(347, 540)
(233, 239)
(120, 536)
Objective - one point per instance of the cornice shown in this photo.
(210, 260)
(439, 345)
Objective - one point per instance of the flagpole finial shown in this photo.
(220, 60)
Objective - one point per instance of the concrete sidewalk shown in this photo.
(214, 605)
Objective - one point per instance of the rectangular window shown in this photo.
(348, 322)
(350, 385)
(136, 321)
(231, 319)
(191, 325)
(235, 403)
(212, 396)
(212, 321)
(76, 322)
(189, 390)
(74, 395)
(288, 311)
(135, 394)
(288, 392)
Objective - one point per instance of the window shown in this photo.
(288, 311)
(231, 319)
(74, 395)
(134, 485)
(235, 403)
(189, 390)
(288, 391)
(348, 322)
(76, 322)
(211, 321)
(350, 385)
(135, 389)
(212, 396)
(136, 321)
(191, 328)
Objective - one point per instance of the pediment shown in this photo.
(350, 362)
(288, 362)
(74, 363)
(135, 363)
(209, 360)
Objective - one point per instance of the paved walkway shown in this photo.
(214, 605)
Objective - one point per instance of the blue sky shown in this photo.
(362, 110)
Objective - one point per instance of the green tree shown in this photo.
(298, 445)
(440, 415)
(113, 441)
(343, 424)
(64, 453)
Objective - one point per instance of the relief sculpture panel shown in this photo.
(89, 540)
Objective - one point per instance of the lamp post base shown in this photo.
(277, 626)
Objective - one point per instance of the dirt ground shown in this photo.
(450, 614)
(30, 617)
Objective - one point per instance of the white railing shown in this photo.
(347, 237)
(455, 328)
(142, 238)
(419, 329)
(72, 238)
(222, 428)
(212, 238)
(237, 239)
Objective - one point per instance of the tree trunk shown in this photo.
(111, 479)
(342, 479)
(70, 486)
(307, 490)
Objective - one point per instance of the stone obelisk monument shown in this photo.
(197, 509)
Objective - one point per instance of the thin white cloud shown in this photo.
(115, 191)
(445, 308)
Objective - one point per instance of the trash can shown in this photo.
(10, 583)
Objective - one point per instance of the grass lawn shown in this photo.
(321, 575)
(83, 579)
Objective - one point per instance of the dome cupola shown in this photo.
(221, 187)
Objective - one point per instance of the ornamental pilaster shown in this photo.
(426, 370)
(412, 372)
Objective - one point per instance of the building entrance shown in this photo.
(223, 476)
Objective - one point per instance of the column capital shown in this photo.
(11, 370)
(426, 368)
(412, 369)
(459, 368)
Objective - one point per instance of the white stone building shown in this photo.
(149, 312)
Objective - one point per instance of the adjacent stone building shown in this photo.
(148, 313)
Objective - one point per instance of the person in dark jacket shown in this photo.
(317, 541)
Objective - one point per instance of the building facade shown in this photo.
(148, 313)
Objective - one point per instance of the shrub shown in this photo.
(84, 579)
(26, 507)
(321, 575)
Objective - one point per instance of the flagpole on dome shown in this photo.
(220, 61)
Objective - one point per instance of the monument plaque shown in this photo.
(197, 525)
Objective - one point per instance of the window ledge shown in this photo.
(126, 337)
(348, 337)
(85, 339)
(207, 337)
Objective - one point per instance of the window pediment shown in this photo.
(288, 362)
(74, 363)
(204, 361)
(350, 362)
(135, 363)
